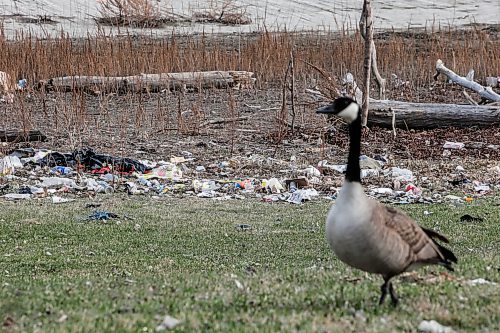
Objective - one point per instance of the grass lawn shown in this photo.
(188, 259)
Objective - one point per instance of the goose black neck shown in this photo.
(353, 172)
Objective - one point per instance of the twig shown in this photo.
(223, 120)
(292, 90)
(394, 123)
(470, 99)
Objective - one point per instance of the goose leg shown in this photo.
(383, 289)
(388, 288)
(394, 298)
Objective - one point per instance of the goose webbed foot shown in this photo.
(388, 288)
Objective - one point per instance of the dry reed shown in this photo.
(409, 55)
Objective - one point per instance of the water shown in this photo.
(76, 16)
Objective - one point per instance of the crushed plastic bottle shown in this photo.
(57, 182)
(61, 170)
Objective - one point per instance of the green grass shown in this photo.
(187, 254)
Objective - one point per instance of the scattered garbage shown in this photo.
(470, 218)
(9, 164)
(243, 227)
(101, 216)
(479, 281)
(479, 187)
(453, 145)
(168, 323)
(58, 200)
(17, 196)
(30, 174)
(432, 326)
(403, 175)
(48, 182)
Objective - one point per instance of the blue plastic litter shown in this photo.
(101, 216)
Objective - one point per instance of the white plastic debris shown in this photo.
(273, 185)
(311, 171)
(57, 182)
(369, 173)
(401, 174)
(432, 326)
(453, 197)
(168, 323)
(366, 162)
(58, 200)
(166, 170)
(299, 196)
(382, 190)
(9, 164)
(17, 196)
(482, 188)
(239, 285)
(453, 145)
(478, 281)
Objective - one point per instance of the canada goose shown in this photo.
(370, 236)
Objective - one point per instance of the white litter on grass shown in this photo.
(168, 323)
(311, 171)
(58, 200)
(57, 182)
(17, 196)
(9, 164)
(400, 174)
(482, 188)
(369, 173)
(382, 190)
(432, 326)
(478, 281)
(239, 285)
(453, 198)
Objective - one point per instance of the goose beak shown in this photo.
(327, 109)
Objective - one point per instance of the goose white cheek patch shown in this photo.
(350, 113)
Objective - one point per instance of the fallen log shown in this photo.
(20, 136)
(431, 115)
(185, 81)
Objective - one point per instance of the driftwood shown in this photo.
(6, 88)
(19, 136)
(484, 92)
(185, 81)
(431, 115)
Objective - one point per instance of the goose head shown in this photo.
(343, 107)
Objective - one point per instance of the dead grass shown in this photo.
(409, 55)
(134, 13)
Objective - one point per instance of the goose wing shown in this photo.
(411, 245)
